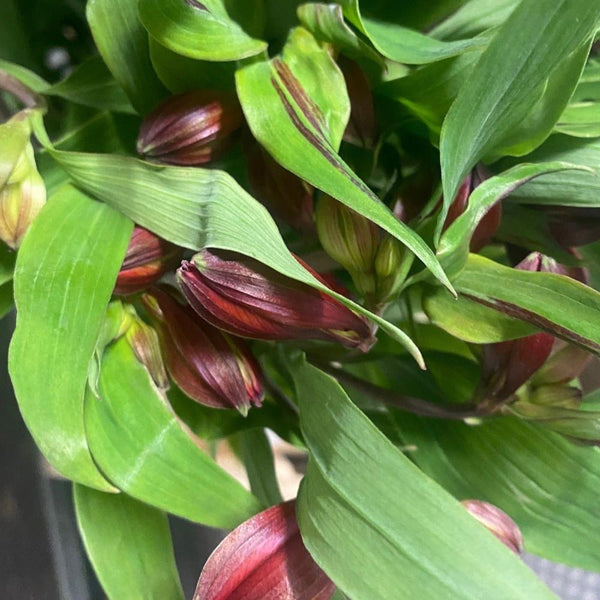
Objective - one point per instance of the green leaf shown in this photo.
(405, 536)
(7, 263)
(511, 72)
(146, 451)
(64, 278)
(453, 249)
(91, 84)
(129, 545)
(569, 188)
(580, 119)
(258, 459)
(29, 78)
(470, 321)
(326, 23)
(181, 74)
(192, 207)
(123, 44)
(555, 303)
(7, 300)
(546, 484)
(473, 18)
(402, 44)
(286, 123)
(201, 30)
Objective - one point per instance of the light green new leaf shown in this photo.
(146, 451)
(123, 44)
(193, 208)
(511, 72)
(202, 30)
(65, 273)
(284, 119)
(548, 485)
(453, 249)
(555, 303)
(404, 535)
(129, 545)
(257, 456)
(91, 84)
(402, 44)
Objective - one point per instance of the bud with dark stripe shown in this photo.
(211, 367)
(245, 297)
(192, 128)
(147, 258)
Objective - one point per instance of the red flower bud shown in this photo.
(490, 222)
(498, 522)
(246, 298)
(191, 128)
(288, 197)
(264, 559)
(148, 257)
(210, 366)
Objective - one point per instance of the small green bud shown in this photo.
(388, 267)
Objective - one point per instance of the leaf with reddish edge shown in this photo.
(264, 559)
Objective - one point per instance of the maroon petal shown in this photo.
(264, 559)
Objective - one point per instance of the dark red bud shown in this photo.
(192, 128)
(487, 227)
(362, 127)
(210, 366)
(286, 196)
(247, 298)
(148, 257)
(264, 559)
(498, 522)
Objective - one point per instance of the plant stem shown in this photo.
(20, 91)
(409, 404)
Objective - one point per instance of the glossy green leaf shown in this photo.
(63, 281)
(129, 545)
(326, 23)
(548, 485)
(555, 303)
(404, 535)
(283, 120)
(511, 72)
(580, 119)
(192, 207)
(181, 74)
(470, 321)
(146, 451)
(402, 44)
(258, 459)
(453, 249)
(91, 84)
(201, 30)
(123, 44)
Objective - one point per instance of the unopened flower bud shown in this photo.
(210, 366)
(21, 199)
(388, 267)
(147, 258)
(288, 197)
(362, 128)
(558, 395)
(143, 340)
(245, 297)
(264, 559)
(487, 227)
(565, 364)
(573, 226)
(349, 238)
(192, 128)
(498, 522)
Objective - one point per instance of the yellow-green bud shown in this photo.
(21, 199)
(389, 273)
